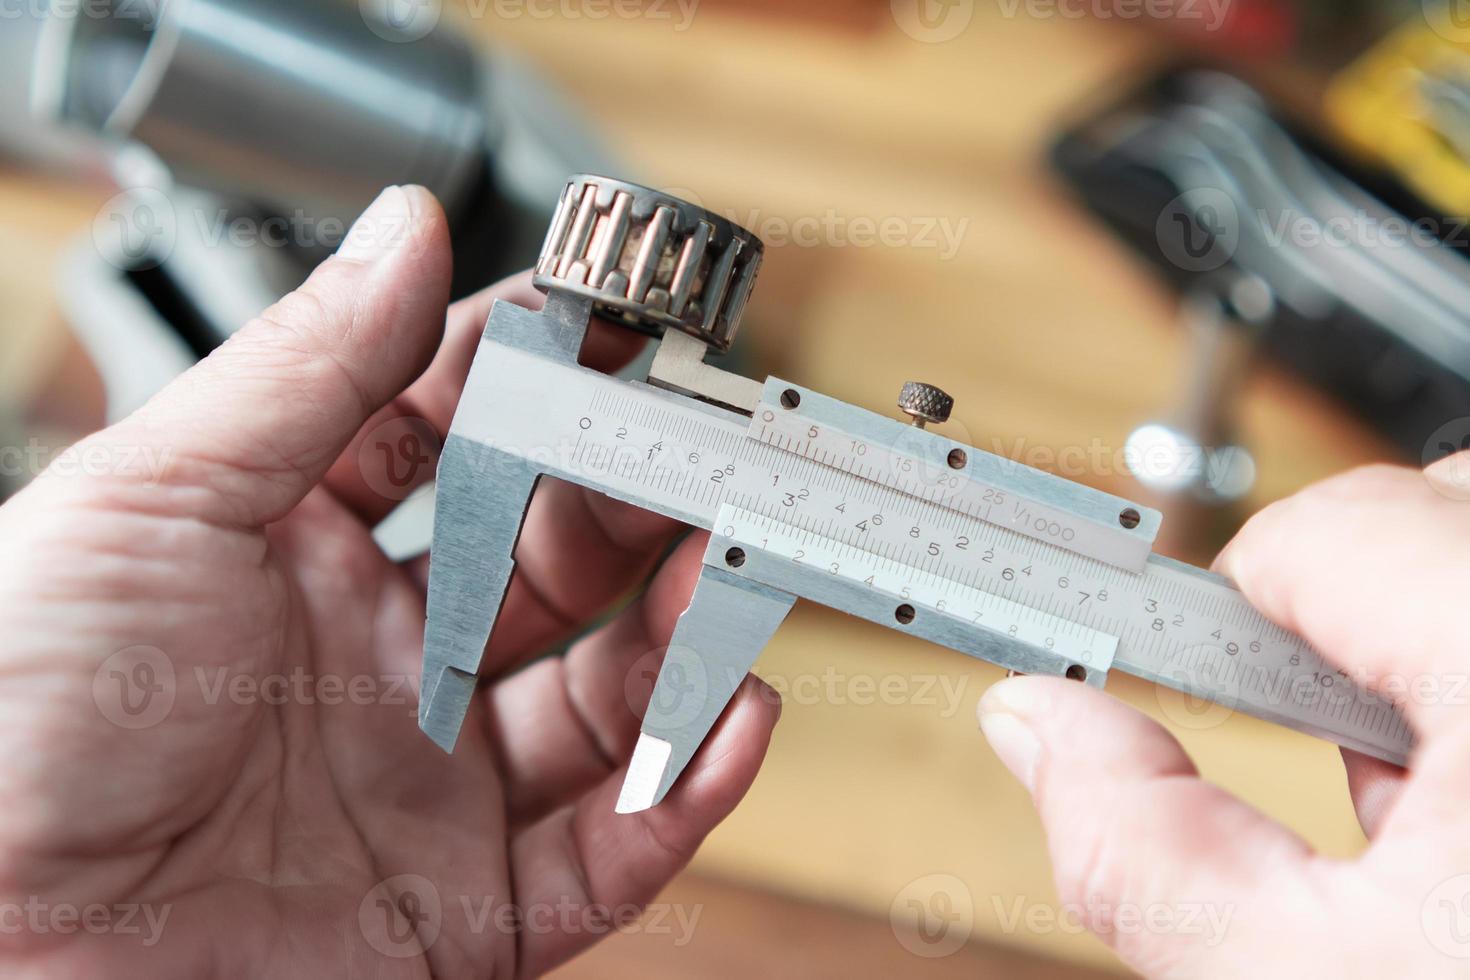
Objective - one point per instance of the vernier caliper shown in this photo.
(805, 496)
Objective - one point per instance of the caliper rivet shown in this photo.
(790, 399)
(735, 557)
(1077, 672)
(904, 614)
(1130, 518)
(958, 459)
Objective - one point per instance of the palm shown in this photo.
(212, 704)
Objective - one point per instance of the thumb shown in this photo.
(258, 423)
(1146, 855)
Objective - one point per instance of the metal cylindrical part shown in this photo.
(649, 260)
(286, 103)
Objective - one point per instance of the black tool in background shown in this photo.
(1197, 174)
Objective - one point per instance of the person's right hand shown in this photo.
(1373, 568)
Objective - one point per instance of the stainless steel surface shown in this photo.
(678, 365)
(296, 106)
(649, 260)
(892, 545)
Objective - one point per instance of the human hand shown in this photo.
(1373, 568)
(201, 679)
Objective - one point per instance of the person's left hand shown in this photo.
(202, 679)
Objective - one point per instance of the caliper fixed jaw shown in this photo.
(634, 255)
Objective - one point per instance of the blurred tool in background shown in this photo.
(1351, 283)
(245, 136)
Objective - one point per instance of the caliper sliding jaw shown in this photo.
(742, 597)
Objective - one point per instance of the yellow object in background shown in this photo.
(1406, 104)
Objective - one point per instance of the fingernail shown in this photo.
(1014, 744)
(770, 695)
(1024, 696)
(381, 229)
(1450, 476)
(1003, 712)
